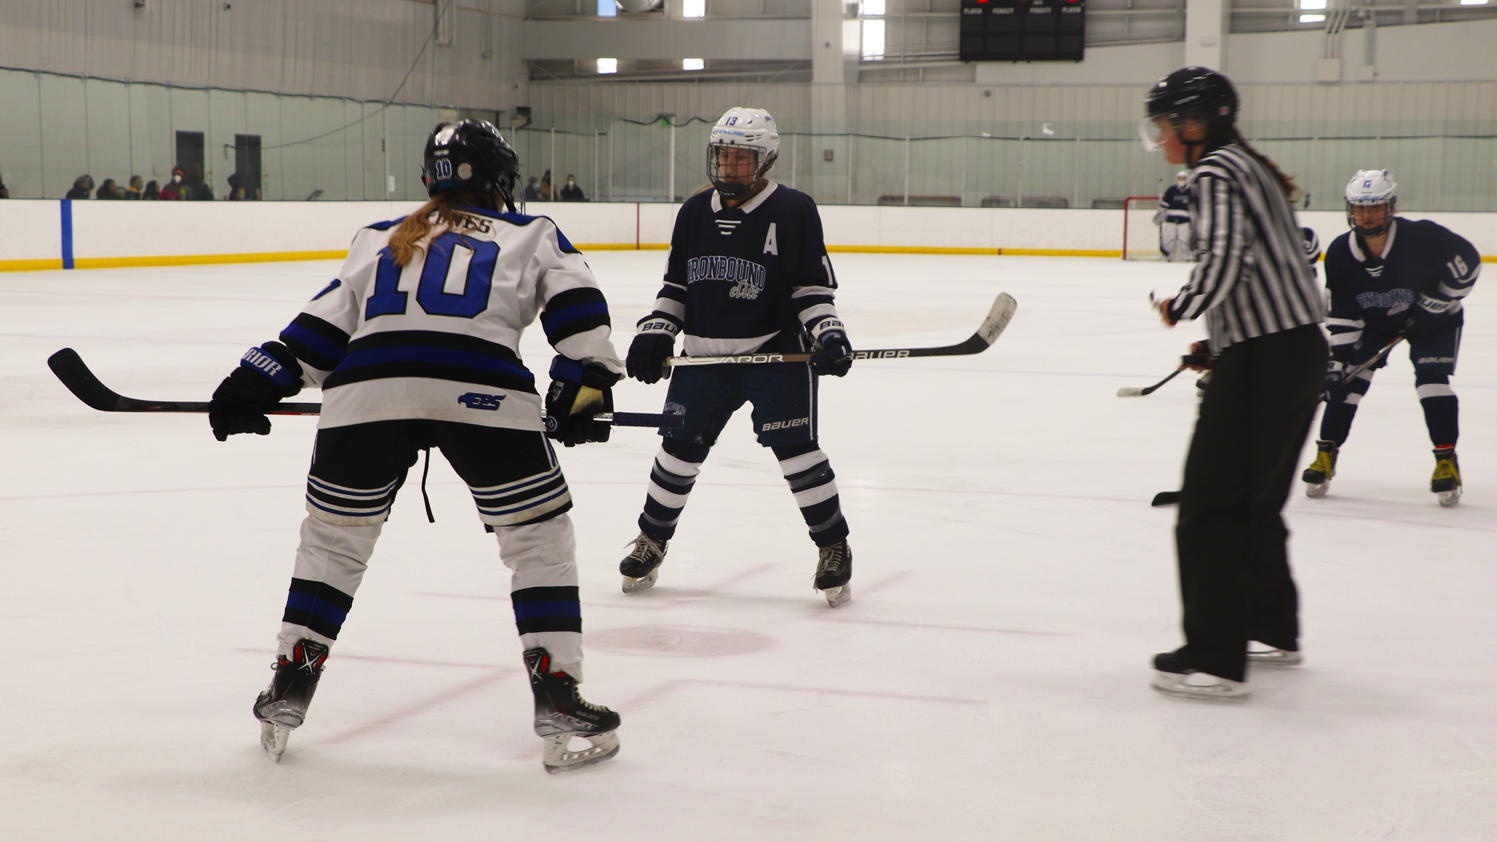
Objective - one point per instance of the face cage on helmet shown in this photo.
(1351, 218)
(734, 189)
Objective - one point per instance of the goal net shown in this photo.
(1140, 234)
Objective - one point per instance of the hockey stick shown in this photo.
(1165, 498)
(987, 333)
(75, 374)
(1381, 355)
(1186, 361)
(1148, 390)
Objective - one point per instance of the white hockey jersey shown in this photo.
(437, 339)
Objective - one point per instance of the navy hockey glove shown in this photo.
(578, 392)
(1337, 387)
(1425, 316)
(648, 351)
(265, 376)
(834, 353)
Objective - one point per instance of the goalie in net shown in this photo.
(1158, 227)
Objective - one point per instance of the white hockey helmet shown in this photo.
(1181, 177)
(1369, 189)
(750, 128)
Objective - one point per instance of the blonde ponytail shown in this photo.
(443, 209)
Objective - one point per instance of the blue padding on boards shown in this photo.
(67, 233)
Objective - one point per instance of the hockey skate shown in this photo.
(1174, 677)
(1319, 474)
(283, 705)
(1446, 482)
(834, 573)
(642, 566)
(561, 714)
(1264, 655)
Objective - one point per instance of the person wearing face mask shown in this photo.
(173, 188)
(570, 192)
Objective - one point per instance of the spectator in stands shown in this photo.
(106, 190)
(545, 187)
(83, 187)
(236, 188)
(570, 192)
(532, 192)
(173, 189)
(4, 193)
(196, 189)
(136, 187)
(153, 190)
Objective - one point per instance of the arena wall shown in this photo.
(47, 234)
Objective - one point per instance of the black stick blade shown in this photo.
(1166, 498)
(74, 374)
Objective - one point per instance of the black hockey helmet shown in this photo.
(470, 154)
(1194, 92)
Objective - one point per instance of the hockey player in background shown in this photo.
(1173, 219)
(1262, 309)
(414, 347)
(747, 272)
(1392, 278)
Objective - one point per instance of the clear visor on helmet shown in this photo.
(1151, 134)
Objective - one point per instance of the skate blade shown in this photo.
(273, 739)
(1275, 658)
(838, 595)
(1449, 498)
(1317, 489)
(558, 758)
(1171, 684)
(647, 581)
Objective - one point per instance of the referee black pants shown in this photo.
(1235, 583)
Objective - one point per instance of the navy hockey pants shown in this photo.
(783, 396)
(1434, 356)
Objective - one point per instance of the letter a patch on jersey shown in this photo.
(770, 244)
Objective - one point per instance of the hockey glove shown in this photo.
(1425, 316)
(1337, 387)
(578, 392)
(834, 353)
(265, 376)
(648, 351)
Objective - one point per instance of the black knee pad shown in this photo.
(686, 451)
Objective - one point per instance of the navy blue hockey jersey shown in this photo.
(747, 278)
(1176, 204)
(1423, 273)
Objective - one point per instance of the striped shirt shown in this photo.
(1252, 278)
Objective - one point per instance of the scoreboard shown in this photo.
(1023, 30)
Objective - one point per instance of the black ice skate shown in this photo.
(1174, 676)
(834, 573)
(283, 705)
(561, 714)
(1319, 474)
(1446, 482)
(642, 566)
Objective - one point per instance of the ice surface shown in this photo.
(989, 680)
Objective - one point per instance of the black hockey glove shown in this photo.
(265, 376)
(648, 351)
(1337, 387)
(578, 392)
(833, 353)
